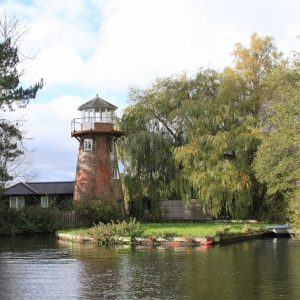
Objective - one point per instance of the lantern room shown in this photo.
(97, 115)
(97, 110)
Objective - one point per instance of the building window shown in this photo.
(16, 202)
(111, 147)
(44, 201)
(119, 204)
(115, 173)
(97, 115)
(88, 145)
(111, 144)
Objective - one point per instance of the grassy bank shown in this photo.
(196, 229)
(185, 229)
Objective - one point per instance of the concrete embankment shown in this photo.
(75, 238)
(171, 242)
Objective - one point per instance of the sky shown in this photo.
(86, 47)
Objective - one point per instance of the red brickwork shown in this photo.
(94, 169)
(106, 127)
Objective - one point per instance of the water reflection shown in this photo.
(33, 268)
(44, 268)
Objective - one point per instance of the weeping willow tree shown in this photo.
(215, 159)
(153, 126)
(224, 134)
(196, 137)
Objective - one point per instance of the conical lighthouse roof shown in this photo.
(97, 102)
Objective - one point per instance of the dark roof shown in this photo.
(41, 188)
(97, 103)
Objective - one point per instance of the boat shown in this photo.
(279, 230)
(205, 241)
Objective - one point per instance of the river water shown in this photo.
(41, 267)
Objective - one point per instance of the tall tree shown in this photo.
(223, 136)
(255, 62)
(216, 157)
(153, 126)
(12, 96)
(202, 133)
(277, 161)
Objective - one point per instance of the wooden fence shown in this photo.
(177, 210)
(71, 219)
(170, 210)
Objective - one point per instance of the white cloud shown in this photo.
(50, 125)
(104, 46)
(54, 154)
(57, 65)
(140, 40)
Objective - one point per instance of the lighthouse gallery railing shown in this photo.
(88, 123)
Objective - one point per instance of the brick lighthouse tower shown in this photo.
(97, 173)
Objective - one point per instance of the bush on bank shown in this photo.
(28, 220)
(100, 210)
(110, 232)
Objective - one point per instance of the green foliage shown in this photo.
(246, 228)
(28, 220)
(7, 220)
(101, 232)
(152, 129)
(255, 62)
(277, 161)
(222, 140)
(168, 230)
(194, 229)
(224, 134)
(110, 232)
(130, 228)
(225, 229)
(100, 210)
(294, 214)
(276, 209)
(36, 219)
(166, 234)
(11, 95)
(198, 137)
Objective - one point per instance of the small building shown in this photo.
(44, 194)
(97, 172)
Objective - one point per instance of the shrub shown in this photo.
(246, 228)
(28, 220)
(95, 211)
(224, 229)
(37, 219)
(132, 228)
(276, 209)
(101, 232)
(294, 215)
(110, 232)
(7, 221)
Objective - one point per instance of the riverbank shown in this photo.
(174, 234)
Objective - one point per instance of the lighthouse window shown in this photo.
(97, 115)
(111, 144)
(115, 173)
(87, 144)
